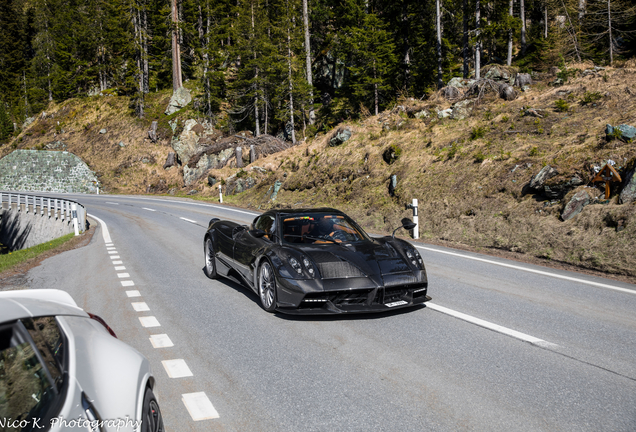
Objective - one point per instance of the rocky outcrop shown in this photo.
(628, 194)
(623, 132)
(204, 163)
(340, 137)
(575, 205)
(538, 181)
(180, 98)
(462, 110)
(235, 185)
(187, 144)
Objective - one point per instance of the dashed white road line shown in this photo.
(199, 406)
(133, 293)
(117, 262)
(149, 321)
(114, 257)
(161, 341)
(188, 220)
(149, 209)
(529, 270)
(118, 268)
(491, 326)
(140, 306)
(176, 368)
(127, 283)
(112, 252)
(113, 203)
(123, 275)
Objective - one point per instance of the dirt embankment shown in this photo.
(470, 176)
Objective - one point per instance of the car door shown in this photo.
(225, 245)
(246, 249)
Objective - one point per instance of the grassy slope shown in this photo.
(469, 190)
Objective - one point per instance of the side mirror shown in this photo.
(407, 224)
(257, 233)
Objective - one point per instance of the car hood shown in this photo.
(376, 258)
(40, 302)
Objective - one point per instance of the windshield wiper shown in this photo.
(311, 237)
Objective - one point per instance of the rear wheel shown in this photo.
(210, 260)
(267, 287)
(151, 420)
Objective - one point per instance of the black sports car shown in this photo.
(316, 261)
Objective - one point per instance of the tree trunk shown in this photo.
(176, 50)
(438, 25)
(257, 131)
(522, 15)
(478, 42)
(310, 81)
(465, 48)
(375, 89)
(291, 87)
(609, 27)
(545, 20)
(581, 11)
(146, 68)
(509, 61)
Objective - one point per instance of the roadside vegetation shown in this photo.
(10, 259)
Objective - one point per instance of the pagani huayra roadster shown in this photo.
(316, 261)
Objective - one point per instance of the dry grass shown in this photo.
(468, 175)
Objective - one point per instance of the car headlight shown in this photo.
(415, 258)
(309, 267)
(293, 262)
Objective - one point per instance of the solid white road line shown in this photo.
(133, 293)
(149, 321)
(544, 273)
(491, 326)
(105, 232)
(123, 275)
(176, 368)
(199, 406)
(140, 307)
(118, 268)
(188, 220)
(161, 341)
(127, 283)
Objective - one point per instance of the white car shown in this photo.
(62, 368)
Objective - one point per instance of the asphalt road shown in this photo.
(502, 346)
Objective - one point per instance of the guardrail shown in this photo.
(57, 208)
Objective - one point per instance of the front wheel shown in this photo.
(210, 260)
(151, 420)
(267, 287)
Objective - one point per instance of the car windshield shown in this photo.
(320, 228)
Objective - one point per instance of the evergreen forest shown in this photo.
(273, 66)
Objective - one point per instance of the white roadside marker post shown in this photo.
(416, 230)
(74, 213)
(220, 194)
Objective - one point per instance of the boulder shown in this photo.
(460, 83)
(575, 205)
(461, 110)
(507, 92)
(623, 132)
(180, 98)
(421, 114)
(186, 144)
(277, 186)
(444, 113)
(341, 135)
(235, 185)
(497, 73)
(392, 185)
(559, 190)
(523, 80)
(538, 181)
(205, 163)
(628, 194)
(451, 93)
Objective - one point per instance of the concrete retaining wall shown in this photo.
(21, 229)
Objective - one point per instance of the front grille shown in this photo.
(394, 294)
(338, 298)
(340, 269)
